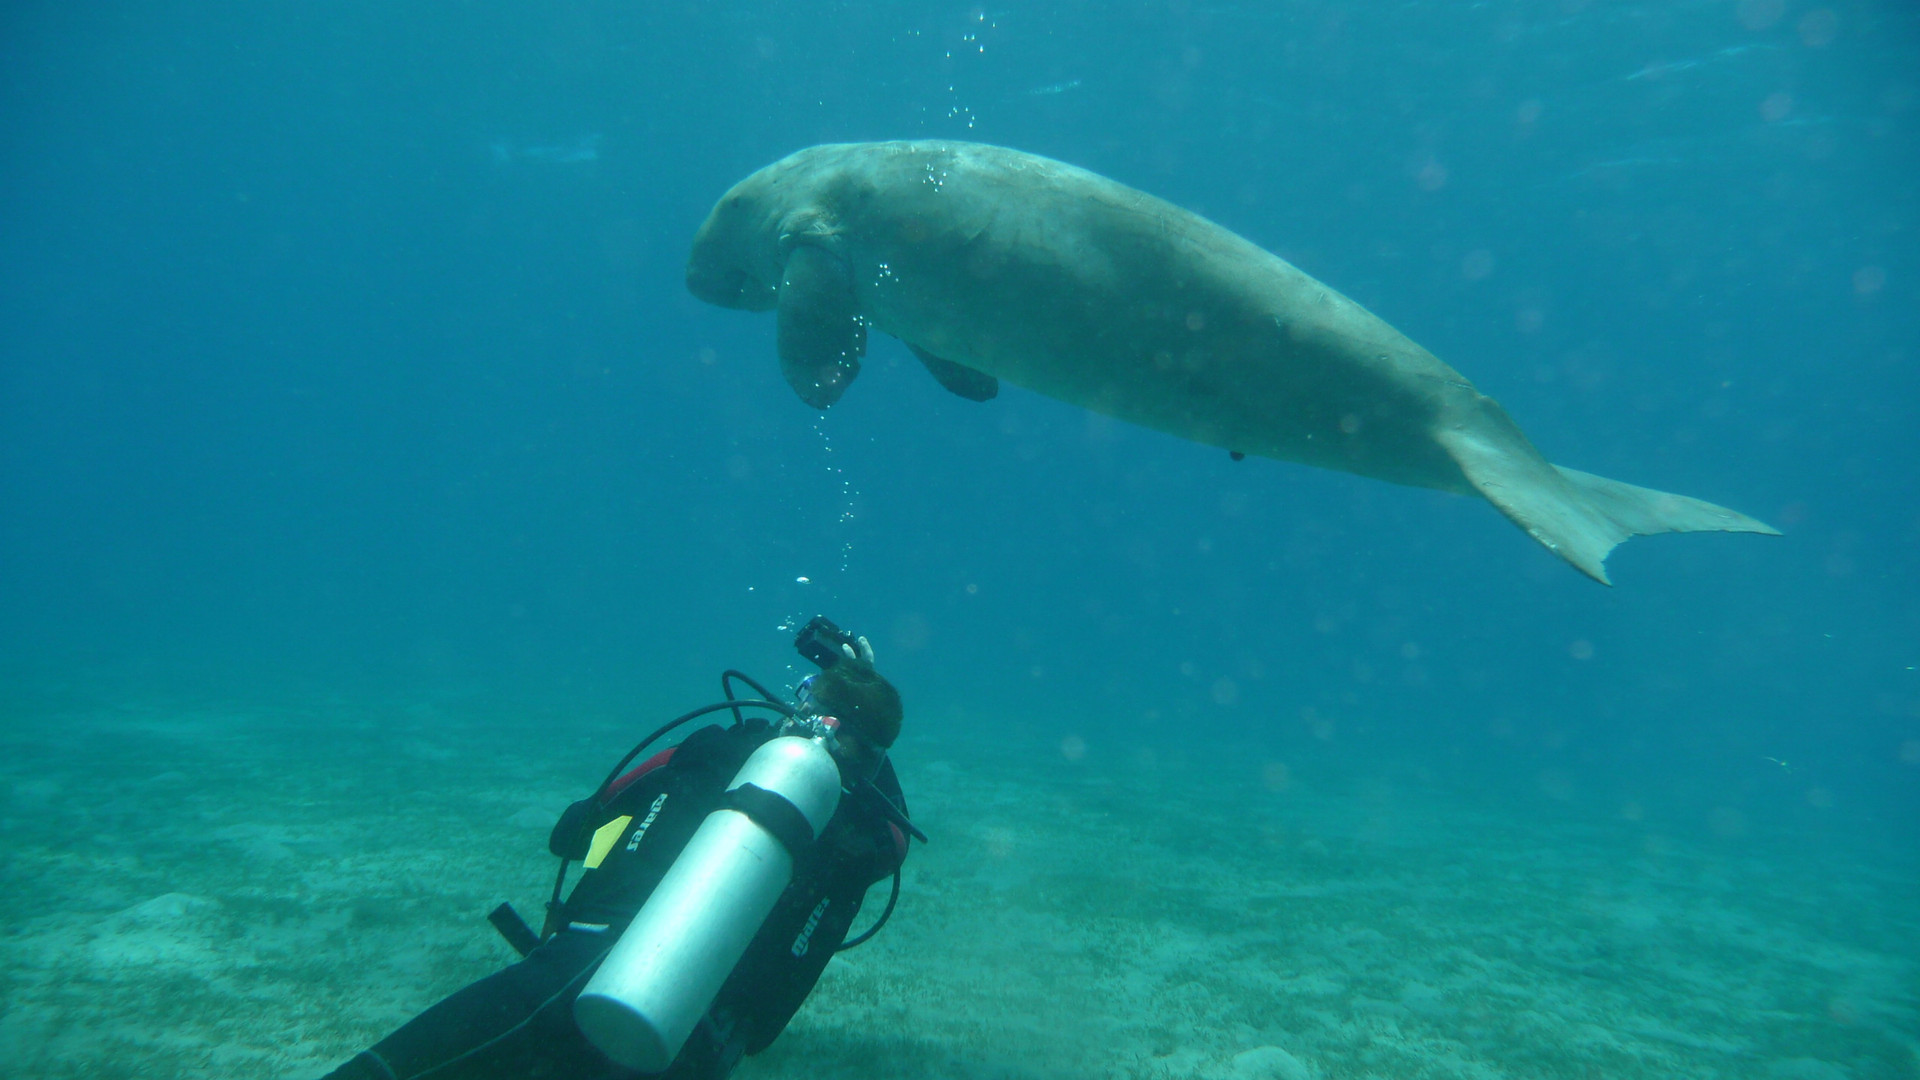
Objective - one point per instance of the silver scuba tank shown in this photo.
(663, 973)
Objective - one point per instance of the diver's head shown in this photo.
(869, 711)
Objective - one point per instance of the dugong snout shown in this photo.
(733, 263)
(717, 285)
(727, 286)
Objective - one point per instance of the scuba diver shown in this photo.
(721, 875)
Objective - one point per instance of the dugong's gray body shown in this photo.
(995, 264)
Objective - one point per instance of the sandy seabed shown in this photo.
(218, 891)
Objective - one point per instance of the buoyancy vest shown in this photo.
(655, 809)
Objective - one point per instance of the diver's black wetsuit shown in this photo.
(518, 1022)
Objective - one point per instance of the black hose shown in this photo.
(726, 689)
(885, 913)
(887, 810)
(780, 707)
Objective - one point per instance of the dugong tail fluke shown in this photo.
(994, 266)
(1577, 516)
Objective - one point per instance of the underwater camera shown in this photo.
(820, 641)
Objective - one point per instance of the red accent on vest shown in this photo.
(641, 770)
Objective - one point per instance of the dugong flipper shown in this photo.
(820, 334)
(993, 264)
(959, 378)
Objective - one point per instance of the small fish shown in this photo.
(580, 151)
(1675, 67)
(1624, 165)
(1661, 71)
(1052, 89)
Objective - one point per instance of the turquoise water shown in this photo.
(369, 482)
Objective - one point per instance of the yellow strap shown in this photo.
(604, 838)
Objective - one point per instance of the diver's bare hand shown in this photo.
(864, 653)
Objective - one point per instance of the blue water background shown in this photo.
(346, 353)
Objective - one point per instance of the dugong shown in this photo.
(993, 264)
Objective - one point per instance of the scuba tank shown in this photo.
(664, 972)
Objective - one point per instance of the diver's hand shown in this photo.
(864, 653)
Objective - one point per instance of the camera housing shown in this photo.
(820, 641)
